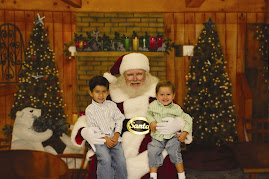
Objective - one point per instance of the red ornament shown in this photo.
(33, 58)
(198, 72)
(26, 100)
(38, 94)
(59, 96)
(30, 89)
(44, 78)
(52, 81)
(46, 39)
(226, 120)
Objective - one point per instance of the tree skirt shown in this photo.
(209, 159)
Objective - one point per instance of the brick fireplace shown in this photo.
(90, 64)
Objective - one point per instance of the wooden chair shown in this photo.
(78, 165)
(30, 164)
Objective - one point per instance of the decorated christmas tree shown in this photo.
(209, 98)
(39, 84)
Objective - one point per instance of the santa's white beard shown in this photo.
(133, 91)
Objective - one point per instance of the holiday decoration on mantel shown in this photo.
(39, 84)
(122, 43)
(209, 96)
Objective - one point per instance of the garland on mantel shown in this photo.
(121, 43)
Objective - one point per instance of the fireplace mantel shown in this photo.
(116, 53)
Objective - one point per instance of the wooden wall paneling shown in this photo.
(2, 21)
(58, 44)
(180, 81)
(231, 55)
(241, 42)
(260, 18)
(3, 113)
(220, 28)
(251, 17)
(231, 46)
(199, 20)
(190, 38)
(20, 23)
(29, 24)
(68, 67)
(170, 58)
(74, 64)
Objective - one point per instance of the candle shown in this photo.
(135, 43)
(127, 43)
(74, 117)
(81, 44)
(152, 43)
(144, 42)
(77, 44)
(84, 44)
(159, 42)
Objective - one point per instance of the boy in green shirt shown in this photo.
(159, 109)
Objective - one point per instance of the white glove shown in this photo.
(91, 135)
(170, 126)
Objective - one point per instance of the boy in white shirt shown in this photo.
(107, 118)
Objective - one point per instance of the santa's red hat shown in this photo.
(128, 62)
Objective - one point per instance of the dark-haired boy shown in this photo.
(105, 116)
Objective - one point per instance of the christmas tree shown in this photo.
(39, 84)
(209, 97)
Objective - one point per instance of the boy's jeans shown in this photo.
(110, 162)
(155, 148)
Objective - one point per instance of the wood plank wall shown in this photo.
(185, 28)
(60, 27)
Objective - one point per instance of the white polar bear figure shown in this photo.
(23, 135)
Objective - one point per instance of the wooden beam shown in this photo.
(74, 3)
(194, 3)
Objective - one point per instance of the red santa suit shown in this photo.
(134, 145)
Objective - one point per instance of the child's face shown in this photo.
(165, 95)
(99, 93)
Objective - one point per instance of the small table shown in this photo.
(252, 158)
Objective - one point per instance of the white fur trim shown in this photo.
(89, 154)
(111, 78)
(81, 122)
(131, 143)
(136, 107)
(134, 61)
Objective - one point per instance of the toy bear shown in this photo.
(24, 137)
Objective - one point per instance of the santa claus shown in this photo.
(133, 89)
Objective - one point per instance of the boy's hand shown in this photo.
(181, 137)
(115, 138)
(109, 142)
(153, 126)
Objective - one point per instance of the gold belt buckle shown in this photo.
(138, 125)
